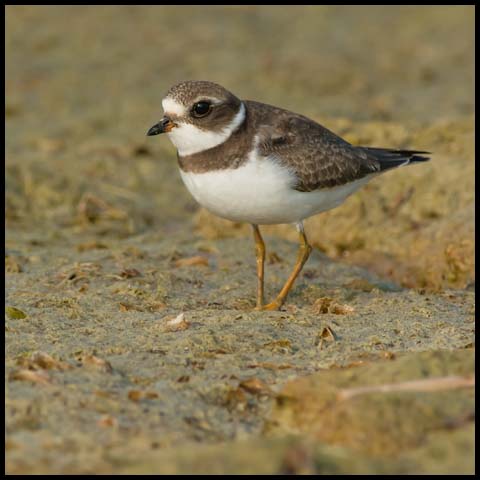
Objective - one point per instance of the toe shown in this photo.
(270, 306)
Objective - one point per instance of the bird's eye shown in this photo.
(201, 109)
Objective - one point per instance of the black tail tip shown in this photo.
(412, 155)
(419, 158)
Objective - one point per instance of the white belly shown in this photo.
(260, 192)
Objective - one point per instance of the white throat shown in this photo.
(190, 139)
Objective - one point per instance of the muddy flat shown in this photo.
(132, 344)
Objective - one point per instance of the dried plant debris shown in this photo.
(138, 395)
(126, 273)
(271, 366)
(273, 258)
(327, 335)
(329, 305)
(128, 307)
(280, 346)
(42, 360)
(91, 245)
(15, 313)
(107, 421)
(177, 323)
(35, 376)
(151, 307)
(79, 272)
(234, 399)
(197, 260)
(95, 362)
(255, 386)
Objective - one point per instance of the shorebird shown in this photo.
(247, 161)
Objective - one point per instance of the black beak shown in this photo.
(163, 126)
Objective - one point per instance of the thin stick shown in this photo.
(427, 385)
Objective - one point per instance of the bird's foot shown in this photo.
(275, 305)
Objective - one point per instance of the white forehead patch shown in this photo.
(190, 139)
(170, 106)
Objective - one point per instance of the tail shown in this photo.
(388, 158)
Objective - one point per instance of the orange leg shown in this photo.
(303, 254)
(260, 252)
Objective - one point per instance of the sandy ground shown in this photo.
(105, 247)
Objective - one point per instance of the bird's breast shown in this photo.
(261, 191)
(255, 192)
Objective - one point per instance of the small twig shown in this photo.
(427, 385)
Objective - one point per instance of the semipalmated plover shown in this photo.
(251, 162)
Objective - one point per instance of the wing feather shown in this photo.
(318, 157)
